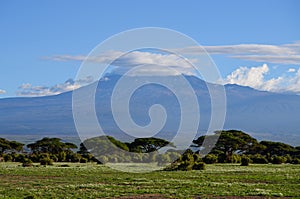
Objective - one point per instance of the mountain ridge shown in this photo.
(261, 113)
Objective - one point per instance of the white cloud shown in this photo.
(135, 58)
(276, 59)
(281, 54)
(291, 70)
(294, 85)
(28, 90)
(2, 91)
(255, 78)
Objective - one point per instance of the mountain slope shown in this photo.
(271, 116)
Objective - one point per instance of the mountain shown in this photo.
(265, 115)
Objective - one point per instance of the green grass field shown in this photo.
(98, 181)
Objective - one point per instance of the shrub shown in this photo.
(46, 161)
(27, 163)
(54, 158)
(221, 158)
(278, 159)
(296, 161)
(234, 158)
(172, 167)
(83, 160)
(199, 166)
(245, 161)
(186, 166)
(64, 165)
(210, 159)
(8, 158)
(75, 157)
(61, 156)
(19, 157)
(259, 159)
(288, 158)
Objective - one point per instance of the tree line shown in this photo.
(232, 147)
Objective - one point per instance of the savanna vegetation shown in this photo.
(238, 166)
(91, 180)
(232, 147)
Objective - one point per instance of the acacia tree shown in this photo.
(277, 148)
(147, 145)
(6, 145)
(230, 142)
(51, 145)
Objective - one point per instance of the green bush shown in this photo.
(8, 158)
(186, 166)
(222, 158)
(259, 159)
(83, 160)
(234, 158)
(245, 161)
(296, 161)
(199, 166)
(46, 161)
(278, 159)
(64, 165)
(19, 157)
(210, 159)
(288, 158)
(27, 163)
(73, 157)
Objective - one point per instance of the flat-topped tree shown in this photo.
(51, 145)
(6, 145)
(278, 148)
(230, 142)
(147, 145)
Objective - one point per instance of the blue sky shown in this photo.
(33, 33)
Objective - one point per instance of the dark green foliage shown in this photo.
(234, 158)
(8, 157)
(51, 145)
(147, 145)
(13, 146)
(186, 166)
(188, 161)
(259, 159)
(245, 161)
(222, 158)
(73, 157)
(18, 157)
(277, 148)
(27, 163)
(49, 150)
(64, 165)
(83, 160)
(278, 159)
(296, 161)
(230, 142)
(210, 159)
(118, 143)
(46, 161)
(199, 166)
(230, 147)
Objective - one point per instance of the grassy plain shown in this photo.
(98, 181)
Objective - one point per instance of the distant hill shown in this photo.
(265, 115)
